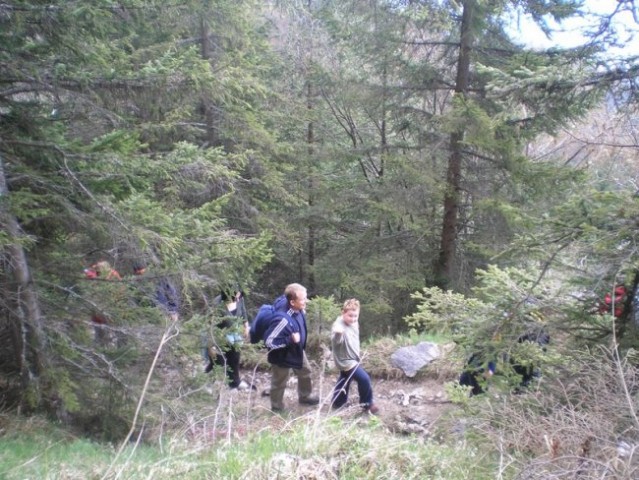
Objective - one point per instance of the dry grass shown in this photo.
(580, 424)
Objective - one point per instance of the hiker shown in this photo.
(168, 299)
(166, 296)
(345, 346)
(101, 270)
(529, 371)
(476, 373)
(228, 336)
(618, 301)
(286, 342)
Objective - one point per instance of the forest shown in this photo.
(422, 156)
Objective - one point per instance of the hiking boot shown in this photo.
(372, 409)
(309, 401)
(243, 385)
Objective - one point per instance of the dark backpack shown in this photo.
(260, 324)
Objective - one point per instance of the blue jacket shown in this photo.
(282, 351)
(166, 296)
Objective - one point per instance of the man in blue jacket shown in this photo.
(286, 341)
(476, 373)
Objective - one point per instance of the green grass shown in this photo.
(312, 446)
(303, 448)
(26, 457)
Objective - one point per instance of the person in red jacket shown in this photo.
(101, 270)
(617, 302)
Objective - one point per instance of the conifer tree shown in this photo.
(104, 157)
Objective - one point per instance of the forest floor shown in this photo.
(407, 406)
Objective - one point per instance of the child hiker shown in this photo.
(345, 344)
(225, 344)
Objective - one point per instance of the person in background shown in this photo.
(528, 370)
(618, 301)
(345, 346)
(166, 296)
(101, 270)
(286, 342)
(476, 373)
(224, 349)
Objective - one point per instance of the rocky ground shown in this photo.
(406, 406)
(205, 408)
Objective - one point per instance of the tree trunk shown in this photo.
(208, 106)
(310, 139)
(27, 329)
(310, 142)
(445, 261)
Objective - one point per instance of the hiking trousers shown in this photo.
(230, 361)
(279, 378)
(364, 387)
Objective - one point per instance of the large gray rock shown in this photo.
(412, 358)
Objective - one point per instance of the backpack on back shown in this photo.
(260, 324)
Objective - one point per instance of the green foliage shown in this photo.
(505, 288)
(105, 158)
(414, 336)
(189, 136)
(456, 393)
(119, 141)
(546, 85)
(322, 312)
(57, 455)
(29, 206)
(504, 306)
(600, 226)
(469, 115)
(67, 389)
(448, 313)
(360, 450)
(588, 394)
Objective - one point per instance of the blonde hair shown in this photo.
(293, 290)
(350, 304)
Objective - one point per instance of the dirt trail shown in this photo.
(406, 406)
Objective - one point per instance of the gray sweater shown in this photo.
(345, 345)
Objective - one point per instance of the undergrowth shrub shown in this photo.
(580, 423)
